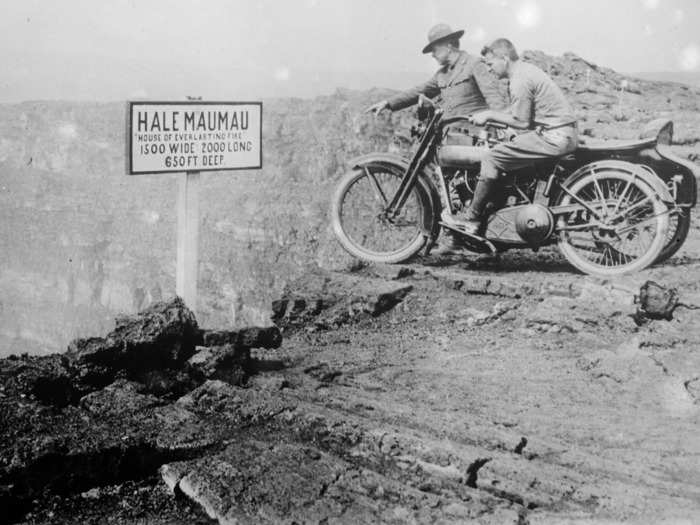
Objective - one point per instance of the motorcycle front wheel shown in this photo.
(622, 227)
(363, 226)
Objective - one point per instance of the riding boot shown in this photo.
(448, 245)
(485, 189)
(473, 219)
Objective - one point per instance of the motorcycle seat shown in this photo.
(616, 145)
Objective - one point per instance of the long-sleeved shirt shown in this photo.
(536, 99)
(465, 88)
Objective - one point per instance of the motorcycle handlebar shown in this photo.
(450, 120)
(468, 118)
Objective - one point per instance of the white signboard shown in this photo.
(194, 136)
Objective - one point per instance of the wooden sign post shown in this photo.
(191, 137)
(187, 238)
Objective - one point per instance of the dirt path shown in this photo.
(509, 398)
(543, 383)
(481, 390)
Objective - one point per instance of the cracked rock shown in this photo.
(627, 362)
(328, 300)
(565, 315)
(252, 478)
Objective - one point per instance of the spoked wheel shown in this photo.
(678, 227)
(621, 226)
(361, 221)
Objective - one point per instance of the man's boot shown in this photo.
(447, 245)
(473, 219)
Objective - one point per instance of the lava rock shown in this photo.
(119, 397)
(227, 363)
(230, 488)
(46, 378)
(295, 311)
(656, 302)
(161, 337)
(326, 300)
(253, 337)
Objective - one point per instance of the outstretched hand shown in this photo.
(378, 107)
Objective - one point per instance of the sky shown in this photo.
(107, 50)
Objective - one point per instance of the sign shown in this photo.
(190, 137)
(169, 137)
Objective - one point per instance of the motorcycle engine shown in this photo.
(534, 223)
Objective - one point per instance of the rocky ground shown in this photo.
(475, 389)
(483, 390)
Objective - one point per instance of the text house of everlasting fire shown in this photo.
(194, 136)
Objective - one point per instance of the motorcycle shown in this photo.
(612, 208)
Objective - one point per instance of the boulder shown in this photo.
(151, 348)
(160, 337)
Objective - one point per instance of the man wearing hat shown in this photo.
(463, 80)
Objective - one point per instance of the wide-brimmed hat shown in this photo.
(439, 33)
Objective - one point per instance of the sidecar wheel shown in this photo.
(360, 224)
(679, 226)
(623, 229)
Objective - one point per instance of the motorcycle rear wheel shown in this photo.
(361, 225)
(632, 229)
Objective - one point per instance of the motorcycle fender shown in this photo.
(688, 187)
(379, 158)
(425, 187)
(649, 176)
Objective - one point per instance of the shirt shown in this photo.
(536, 99)
(463, 87)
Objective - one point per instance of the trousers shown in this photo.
(528, 148)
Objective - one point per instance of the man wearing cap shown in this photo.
(538, 107)
(465, 84)
(463, 80)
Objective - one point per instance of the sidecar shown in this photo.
(652, 150)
